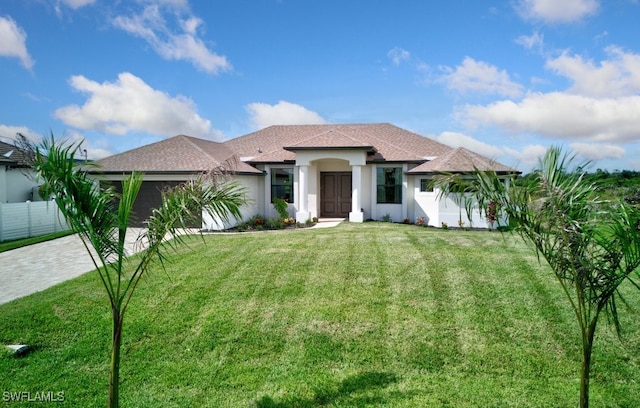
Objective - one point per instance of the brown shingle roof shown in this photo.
(10, 154)
(278, 144)
(176, 154)
(332, 138)
(390, 142)
(460, 160)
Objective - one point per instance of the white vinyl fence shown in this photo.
(30, 219)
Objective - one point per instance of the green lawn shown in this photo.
(374, 314)
(17, 243)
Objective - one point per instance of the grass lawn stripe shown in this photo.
(375, 314)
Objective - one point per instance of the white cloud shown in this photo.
(151, 26)
(176, 4)
(130, 105)
(480, 77)
(562, 115)
(283, 113)
(8, 133)
(598, 151)
(398, 55)
(95, 150)
(529, 156)
(13, 42)
(556, 11)
(534, 41)
(617, 76)
(76, 4)
(600, 105)
(455, 139)
(600, 37)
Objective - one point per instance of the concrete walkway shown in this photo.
(34, 268)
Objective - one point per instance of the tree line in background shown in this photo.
(624, 184)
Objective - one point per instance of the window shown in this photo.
(282, 184)
(389, 180)
(426, 186)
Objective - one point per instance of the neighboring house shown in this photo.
(17, 179)
(22, 212)
(353, 171)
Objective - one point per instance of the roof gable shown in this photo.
(461, 160)
(332, 138)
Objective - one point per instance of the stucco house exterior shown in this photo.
(17, 179)
(352, 171)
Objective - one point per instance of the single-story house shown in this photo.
(17, 179)
(351, 171)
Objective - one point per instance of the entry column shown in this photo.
(356, 214)
(302, 215)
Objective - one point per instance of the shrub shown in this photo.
(386, 217)
(421, 220)
(274, 223)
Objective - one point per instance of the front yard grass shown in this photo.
(373, 314)
(18, 243)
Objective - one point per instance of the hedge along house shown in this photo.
(356, 172)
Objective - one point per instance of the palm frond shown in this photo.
(87, 208)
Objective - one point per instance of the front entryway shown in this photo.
(335, 194)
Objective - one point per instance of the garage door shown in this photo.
(148, 198)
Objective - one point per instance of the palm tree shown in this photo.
(592, 245)
(101, 217)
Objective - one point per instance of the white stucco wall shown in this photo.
(17, 186)
(452, 213)
(3, 184)
(254, 187)
(425, 203)
(437, 210)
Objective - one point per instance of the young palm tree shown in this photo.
(592, 245)
(101, 217)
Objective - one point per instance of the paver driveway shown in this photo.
(36, 267)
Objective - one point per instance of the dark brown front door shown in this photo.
(335, 194)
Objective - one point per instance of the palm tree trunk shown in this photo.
(114, 375)
(587, 348)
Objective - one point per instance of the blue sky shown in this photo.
(504, 78)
